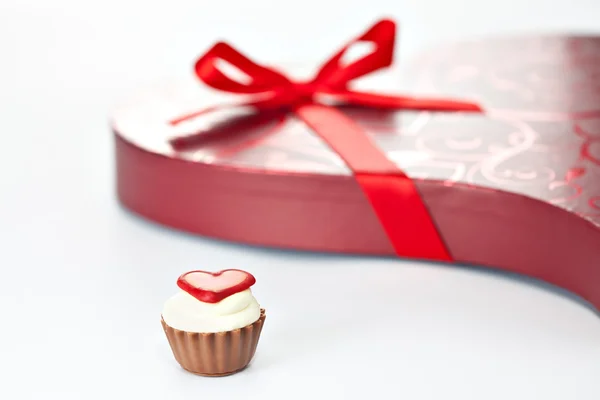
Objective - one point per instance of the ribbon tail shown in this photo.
(390, 102)
(195, 114)
(236, 125)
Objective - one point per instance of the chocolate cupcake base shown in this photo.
(215, 354)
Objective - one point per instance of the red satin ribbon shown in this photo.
(394, 198)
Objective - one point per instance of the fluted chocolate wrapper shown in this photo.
(215, 354)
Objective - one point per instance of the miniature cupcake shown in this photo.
(214, 323)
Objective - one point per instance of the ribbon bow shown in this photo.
(395, 200)
(274, 90)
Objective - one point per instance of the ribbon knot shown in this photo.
(303, 92)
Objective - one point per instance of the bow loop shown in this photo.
(262, 79)
(382, 35)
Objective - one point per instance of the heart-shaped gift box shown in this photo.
(514, 186)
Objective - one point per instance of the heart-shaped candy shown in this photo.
(212, 287)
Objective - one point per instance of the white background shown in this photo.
(82, 281)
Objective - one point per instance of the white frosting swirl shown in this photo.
(186, 313)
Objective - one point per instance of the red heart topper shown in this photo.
(212, 287)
